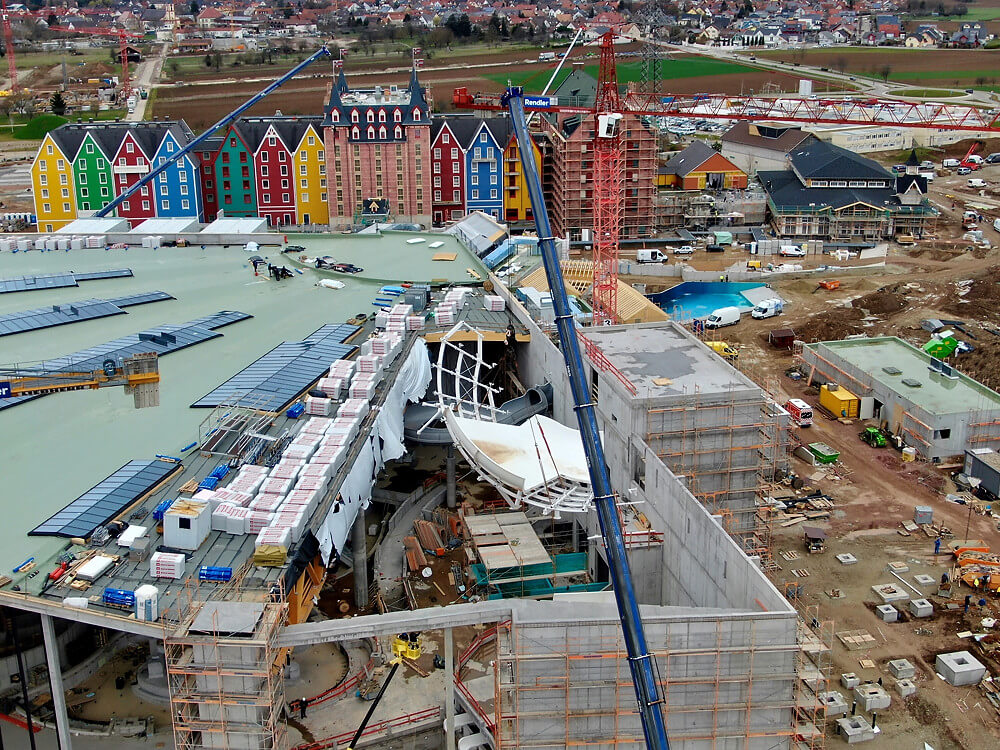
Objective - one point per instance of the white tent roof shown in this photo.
(237, 225)
(95, 225)
(527, 456)
(167, 225)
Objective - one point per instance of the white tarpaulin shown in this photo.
(540, 462)
(384, 443)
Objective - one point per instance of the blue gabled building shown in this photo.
(177, 189)
(484, 167)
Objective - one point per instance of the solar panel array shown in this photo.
(105, 500)
(277, 378)
(73, 312)
(162, 340)
(58, 280)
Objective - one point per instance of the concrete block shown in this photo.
(959, 668)
(921, 608)
(901, 669)
(889, 593)
(898, 566)
(906, 688)
(855, 729)
(871, 697)
(924, 580)
(887, 613)
(846, 558)
(849, 680)
(923, 514)
(834, 703)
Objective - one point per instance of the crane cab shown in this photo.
(607, 125)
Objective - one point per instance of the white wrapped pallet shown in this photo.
(274, 536)
(311, 439)
(369, 363)
(366, 348)
(97, 240)
(300, 452)
(146, 241)
(276, 486)
(257, 521)
(364, 389)
(6, 245)
(314, 468)
(316, 425)
(253, 469)
(312, 484)
(220, 516)
(238, 521)
(76, 243)
(354, 408)
(267, 503)
(414, 322)
(39, 243)
(147, 606)
(205, 496)
(332, 387)
(444, 317)
(381, 318)
(401, 309)
(302, 497)
(318, 406)
(248, 483)
(494, 303)
(332, 455)
(287, 469)
(166, 565)
(23, 244)
(342, 367)
(62, 243)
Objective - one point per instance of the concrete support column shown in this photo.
(452, 490)
(359, 544)
(449, 691)
(576, 536)
(56, 683)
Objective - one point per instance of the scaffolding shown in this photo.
(224, 668)
(719, 444)
(725, 683)
(815, 659)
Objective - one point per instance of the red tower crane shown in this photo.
(610, 107)
(123, 37)
(8, 38)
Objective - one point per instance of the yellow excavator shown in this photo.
(139, 374)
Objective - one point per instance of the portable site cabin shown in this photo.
(781, 338)
(839, 401)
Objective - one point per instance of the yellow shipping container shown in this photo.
(839, 401)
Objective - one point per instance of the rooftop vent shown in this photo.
(911, 382)
(892, 371)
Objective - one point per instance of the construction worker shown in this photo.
(937, 546)
(968, 601)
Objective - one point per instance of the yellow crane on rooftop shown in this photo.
(139, 374)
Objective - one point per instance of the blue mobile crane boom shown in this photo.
(641, 662)
(150, 176)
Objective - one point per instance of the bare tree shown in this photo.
(885, 71)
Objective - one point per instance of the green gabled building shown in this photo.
(234, 171)
(92, 169)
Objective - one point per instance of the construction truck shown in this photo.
(727, 351)
(873, 436)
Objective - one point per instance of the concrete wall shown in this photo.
(727, 677)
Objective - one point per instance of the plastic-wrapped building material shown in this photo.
(315, 425)
(220, 517)
(318, 406)
(354, 407)
(287, 469)
(257, 521)
(332, 387)
(276, 486)
(237, 521)
(267, 503)
(166, 565)
(494, 303)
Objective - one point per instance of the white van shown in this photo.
(546, 56)
(724, 316)
(768, 308)
(976, 182)
(650, 256)
(950, 163)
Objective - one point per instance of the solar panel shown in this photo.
(277, 378)
(118, 273)
(132, 300)
(74, 312)
(107, 499)
(162, 340)
(58, 280)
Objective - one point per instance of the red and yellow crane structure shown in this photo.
(611, 106)
(139, 374)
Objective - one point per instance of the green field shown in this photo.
(35, 127)
(694, 67)
(27, 60)
(945, 75)
(974, 14)
(929, 93)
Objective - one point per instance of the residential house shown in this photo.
(206, 154)
(92, 169)
(235, 184)
(969, 35)
(700, 167)
(516, 201)
(448, 167)
(483, 165)
(272, 168)
(176, 189)
(309, 161)
(755, 146)
(128, 165)
(52, 180)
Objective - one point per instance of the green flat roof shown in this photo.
(936, 394)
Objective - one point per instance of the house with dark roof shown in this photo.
(700, 167)
(752, 146)
(827, 192)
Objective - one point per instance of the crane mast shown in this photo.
(8, 38)
(641, 663)
(608, 187)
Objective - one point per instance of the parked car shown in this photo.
(930, 165)
(684, 250)
(791, 251)
(715, 249)
(294, 249)
(993, 159)
(950, 163)
(963, 171)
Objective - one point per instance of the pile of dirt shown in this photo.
(983, 363)
(831, 325)
(883, 301)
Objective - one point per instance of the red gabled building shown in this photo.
(130, 164)
(448, 169)
(275, 179)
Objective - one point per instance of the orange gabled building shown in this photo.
(700, 167)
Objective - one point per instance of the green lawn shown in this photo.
(930, 93)
(693, 67)
(944, 75)
(35, 128)
(975, 14)
(35, 59)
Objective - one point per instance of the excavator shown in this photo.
(139, 374)
(971, 159)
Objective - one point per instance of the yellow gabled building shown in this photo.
(516, 202)
(52, 185)
(309, 161)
